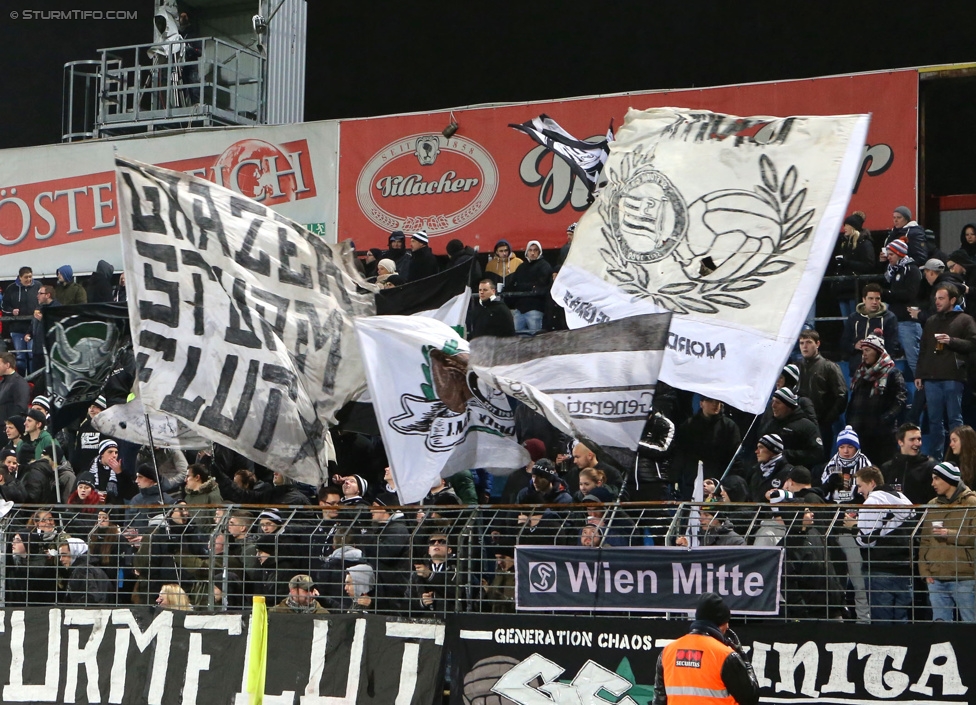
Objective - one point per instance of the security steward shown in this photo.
(707, 664)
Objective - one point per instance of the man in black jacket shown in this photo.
(709, 654)
(387, 550)
(823, 383)
(909, 468)
(14, 390)
(20, 299)
(947, 341)
(464, 256)
(489, 314)
(423, 263)
(709, 436)
(800, 436)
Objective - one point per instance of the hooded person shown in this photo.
(878, 396)
(86, 583)
(399, 253)
(67, 291)
(372, 257)
(967, 239)
(502, 264)
(532, 281)
(838, 474)
(359, 587)
(100, 283)
(462, 255)
(423, 263)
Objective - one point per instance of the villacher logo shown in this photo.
(427, 181)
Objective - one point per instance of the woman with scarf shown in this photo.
(877, 398)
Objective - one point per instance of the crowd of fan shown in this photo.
(832, 435)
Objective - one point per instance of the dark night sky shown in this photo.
(363, 60)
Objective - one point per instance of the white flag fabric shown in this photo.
(127, 422)
(728, 222)
(435, 418)
(241, 319)
(596, 383)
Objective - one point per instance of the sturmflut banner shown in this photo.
(165, 657)
(727, 221)
(595, 383)
(659, 579)
(241, 319)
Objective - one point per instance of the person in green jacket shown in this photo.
(67, 291)
(36, 433)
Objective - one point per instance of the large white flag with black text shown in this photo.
(727, 221)
(241, 319)
(435, 418)
(595, 383)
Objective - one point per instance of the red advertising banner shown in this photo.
(489, 182)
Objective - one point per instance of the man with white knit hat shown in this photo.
(945, 556)
(423, 263)
(773, 470)
(800, 435)
(878, 396)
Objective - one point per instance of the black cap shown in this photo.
(38, 416)
(711, 608)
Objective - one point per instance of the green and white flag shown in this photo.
(436, 418)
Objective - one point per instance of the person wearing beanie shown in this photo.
(370, 262)
(710, 437)
(460, 255)
(902, 281)
(838, 473)
(423, 262)
(853, 255)
(399, 253)
(823, 383)
(878, 396)
(532, 279)
(960, 265)
(904, 228)
(945, 554)
(502, 264)
(88, 438)
(790, 377)
(386, 547)
(359, 587)
(772, 469)
(518, 481)
(870, 317)
(884, 535)
(947, 342)
(709, 659)
(148, 501)
(789, 420)
(546, 486)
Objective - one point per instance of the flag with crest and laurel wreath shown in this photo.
(728, 222)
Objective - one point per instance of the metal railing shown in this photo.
(219, 556)
(186, 83)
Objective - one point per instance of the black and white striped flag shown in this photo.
(586, 159)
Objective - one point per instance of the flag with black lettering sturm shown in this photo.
(586, 159)
(435, 418)
(727, 221)
(596, 382)
(241, 318)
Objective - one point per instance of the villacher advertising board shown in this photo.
(531, 660)
(646, 579)
(488, 181)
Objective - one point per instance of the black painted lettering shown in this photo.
(234, 334)
(262, 263)
(284, 377)
(213, 417)
(207, 221)
(143, 222)
(174, 402)
(286, 275)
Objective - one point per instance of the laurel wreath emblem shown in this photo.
(708, 296)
